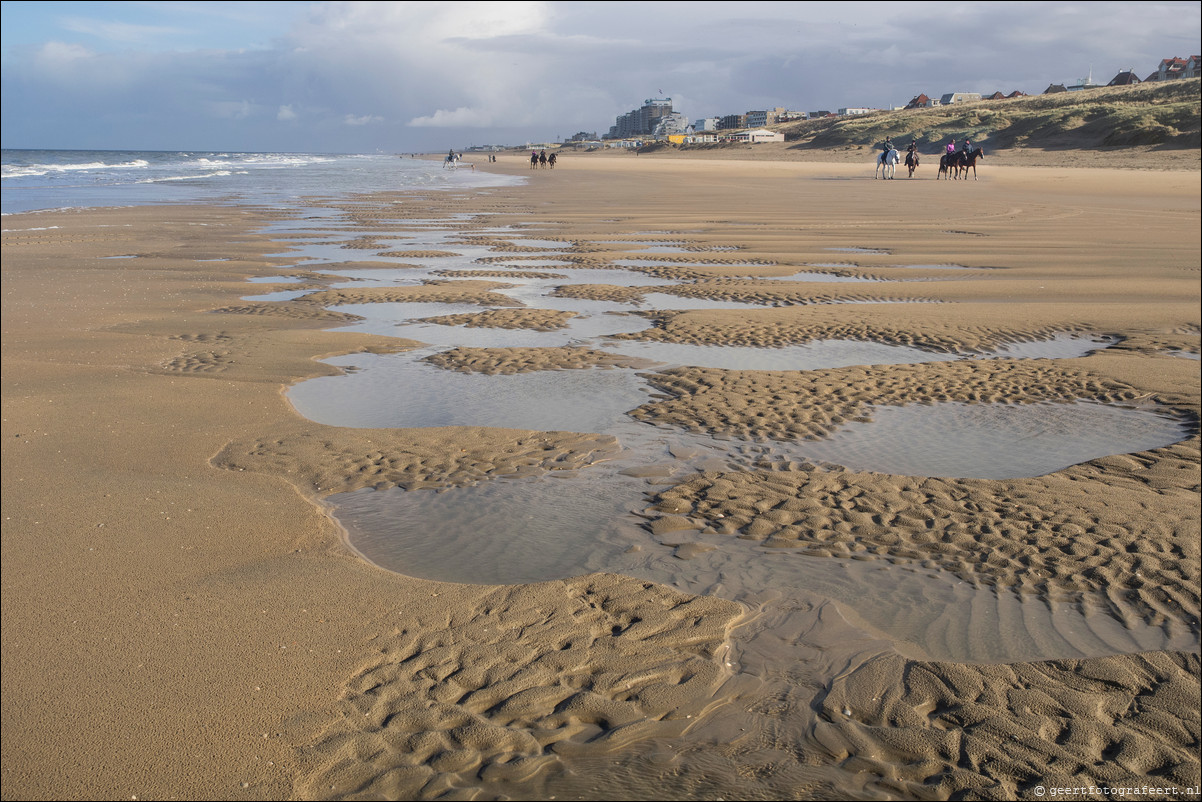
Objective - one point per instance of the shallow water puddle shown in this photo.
(992, 441)
(282, 295)
(275, 280)
(811, 356)
(566, 524)
(401, 391)
(563, 525)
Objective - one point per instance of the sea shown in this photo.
(35, 180)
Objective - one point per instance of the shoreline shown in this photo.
(171, 630)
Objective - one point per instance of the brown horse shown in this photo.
(968, 160)
(912, 161)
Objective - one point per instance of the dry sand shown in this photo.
(181, 618)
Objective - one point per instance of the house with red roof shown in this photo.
(1176, 67)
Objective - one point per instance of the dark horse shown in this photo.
(968, 160)
(912, 161)
(949, 165)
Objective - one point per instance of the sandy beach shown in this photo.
(184, 618)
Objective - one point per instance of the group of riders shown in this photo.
(951, 158)
(541, 159)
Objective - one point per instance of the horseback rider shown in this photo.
(887, 145)
(967, 145)
(911, 152)
(951, 147)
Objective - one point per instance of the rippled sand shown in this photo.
(183, 618)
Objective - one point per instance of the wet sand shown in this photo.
(183, 618)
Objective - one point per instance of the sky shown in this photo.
(395, 77)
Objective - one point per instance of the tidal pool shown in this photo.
(568, 523)
(571, 523)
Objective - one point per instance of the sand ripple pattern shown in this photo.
(507, 361)
(774, 328)
(813, 404)
(1124, 527)
(341, 460)
(451, 705)
(958, 731)
(534, 319)
(296, 310)
(434, 291)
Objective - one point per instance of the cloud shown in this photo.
(54, 55)
(537, 70)
(461, 117)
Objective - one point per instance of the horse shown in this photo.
(533, 160)
(886, 163)
(968, 160)
(949, 165)
(551, 161)
(912, 161)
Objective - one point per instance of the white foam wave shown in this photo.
(193, 177)
(29, 170)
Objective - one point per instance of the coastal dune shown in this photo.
(183, 617)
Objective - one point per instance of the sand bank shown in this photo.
(182, 618)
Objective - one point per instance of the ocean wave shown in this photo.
(192, 177)
(34, 170)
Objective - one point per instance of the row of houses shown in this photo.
(1170, 69)
(656, 120)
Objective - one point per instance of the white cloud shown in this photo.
(54, 54)
(461, 117)
(286, 114)
(366, 119)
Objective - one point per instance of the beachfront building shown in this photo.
(1084, 83)
(1124, 78)
(959, 97)
(674, 123)
(641, 121)
(705, 124)
(732, 122)
(855, 111)
(757, 136)
(762, 119)
(1171, 69)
